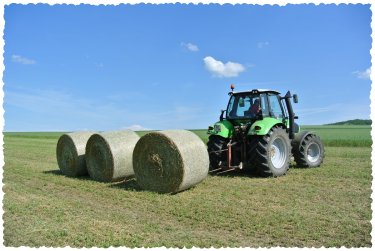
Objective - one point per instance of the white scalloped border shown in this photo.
(3, 3)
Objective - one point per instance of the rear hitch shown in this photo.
(229, 166)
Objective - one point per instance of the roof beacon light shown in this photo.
(232, 87)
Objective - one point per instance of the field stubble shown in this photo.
(328, 206)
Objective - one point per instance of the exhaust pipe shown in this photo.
(289, 107)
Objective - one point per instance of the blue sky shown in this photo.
(142, 66)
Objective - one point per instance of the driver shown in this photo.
(255, 107)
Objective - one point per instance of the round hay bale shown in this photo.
(170, 161)
(109, 155)
(70, 153)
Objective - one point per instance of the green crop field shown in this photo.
(345, 135)
(327, 206)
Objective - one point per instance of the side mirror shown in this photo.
(222, 115)
(295, 98)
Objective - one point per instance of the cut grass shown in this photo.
(328, 206)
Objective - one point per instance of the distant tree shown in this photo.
(353, 122)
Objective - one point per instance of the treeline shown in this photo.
(353, 122)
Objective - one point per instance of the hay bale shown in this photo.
(170, 161)
(109, 155)
(70, 153)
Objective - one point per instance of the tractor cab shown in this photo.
(255, 105)
(255, 112)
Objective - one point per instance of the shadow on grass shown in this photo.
(251, 174)
(296, 166)
(129, 184)
(132, 185)
(237, 173)
(59, 173)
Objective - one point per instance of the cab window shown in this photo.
(264, 105)
(275, 107)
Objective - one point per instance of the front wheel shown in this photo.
(216, 147)
(271, 153)
(309, 152)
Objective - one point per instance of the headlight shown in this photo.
(217, 128)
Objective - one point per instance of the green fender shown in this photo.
(222, 128)
(262, 127)
(296, 127)
(299, 137)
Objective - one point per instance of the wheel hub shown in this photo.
(278, 153)
(273, 151)
(313, 152)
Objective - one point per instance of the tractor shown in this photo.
(258, 133)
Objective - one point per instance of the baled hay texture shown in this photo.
(170, 161)
(70, 153)
(109, 155)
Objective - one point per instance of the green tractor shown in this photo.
(257, 133)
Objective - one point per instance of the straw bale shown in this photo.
(109, 155)
(170, 161)
(70, 153)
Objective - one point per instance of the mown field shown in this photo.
(328, 206)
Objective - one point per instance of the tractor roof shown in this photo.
(256, 91)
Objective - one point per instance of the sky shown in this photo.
(158, 67)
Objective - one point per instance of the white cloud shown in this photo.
(50, 101)
(219, 69)
(261, 45)
(22, 60)
(50, 109)
(363, 74)
(332, 113)
(137, 128)
(190, 46)
(315, 110)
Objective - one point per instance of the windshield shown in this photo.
(246, 106)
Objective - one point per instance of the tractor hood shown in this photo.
(222, 128)
(225, 128)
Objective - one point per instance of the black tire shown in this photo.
(215, 146)
(309, 152)
(262, 150)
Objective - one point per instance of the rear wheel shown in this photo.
(215, 147)
(310, 151)
(270, 154)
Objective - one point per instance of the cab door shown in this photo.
(276, 109)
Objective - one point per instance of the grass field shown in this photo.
(328, 206)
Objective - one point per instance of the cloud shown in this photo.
(309, 111)
(137, 128)
(190, 46)
(219, 69)
(47, 110)
(50, 101)
(363, 74)
(261, 45)
(22, 60)
(332, 113)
